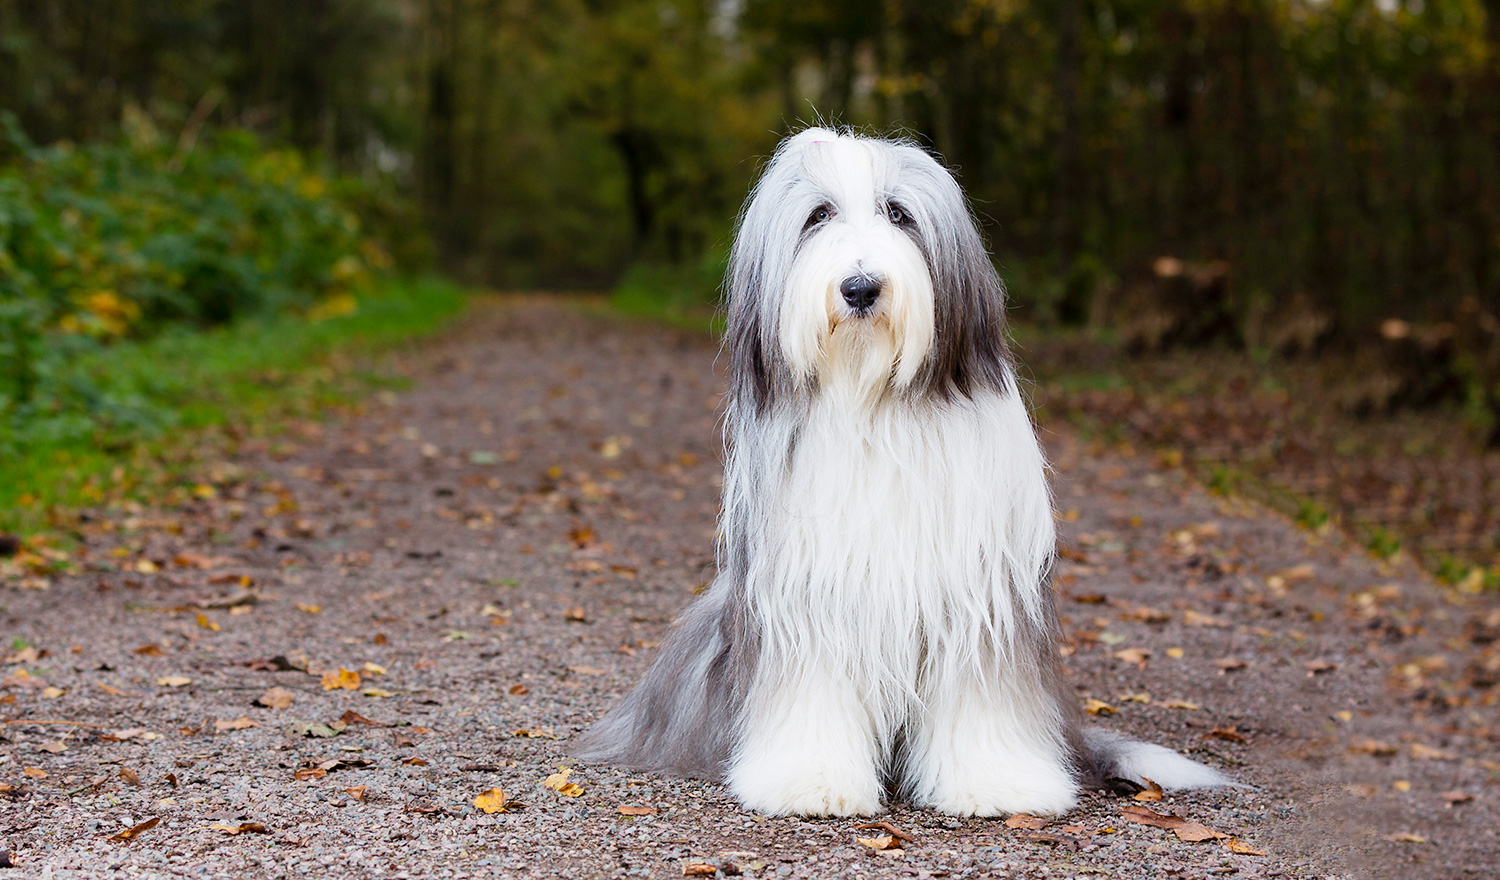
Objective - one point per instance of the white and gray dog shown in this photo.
(882, 621)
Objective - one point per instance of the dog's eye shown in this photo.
(822, 215)
(897, 215)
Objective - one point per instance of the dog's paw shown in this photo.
(1006, 801)
(1000, 788)
(808, 797)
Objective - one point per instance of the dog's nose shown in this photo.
(860, 292)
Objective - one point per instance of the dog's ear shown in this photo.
(969, 352)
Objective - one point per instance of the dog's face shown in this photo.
(858, 269)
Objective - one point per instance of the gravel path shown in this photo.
(496, 553)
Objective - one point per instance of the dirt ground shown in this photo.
(359, 628)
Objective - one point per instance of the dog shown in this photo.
(882, 624)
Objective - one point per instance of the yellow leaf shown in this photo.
(345, 679)
(52, 693)
(237, 724)
(374, 668)
(173, 681)
(1240, 847)
(204, 622)
(558, 782)
(310, 609)
(492, 801)
(1098, 707)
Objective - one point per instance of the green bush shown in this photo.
(129, 238)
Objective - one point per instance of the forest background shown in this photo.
(1303, 182)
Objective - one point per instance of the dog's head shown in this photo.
(859, 269)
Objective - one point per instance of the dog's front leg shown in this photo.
(807, 748)
(990, 749)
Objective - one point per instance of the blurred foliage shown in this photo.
(129, 236)
(1278, 175)
(213, 388)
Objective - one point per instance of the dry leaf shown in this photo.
(1147, 816)
(1226, 733)
(884, 841)
(34, 772)
(1229, 664)
(1318, 667)
(492, 801)
(1193, 832)
(204, 622)
(1023, 820)
(151, 650)
(888, 828)
(586, 670)
(1428, 753)
(307, 773)
(1151, 793)
(373, 668)
(1373, 747)
(174, 681)
(56, 748)
(240, 723)
(632, 810)
(276, 698)
(519, 690)
(1194, 618)
(114, 691)
(242, 828)
(136, 831)
(576, 614)
(558, 782)
(345, 679)
(1180, 704)
(1138, 656)
(130, 776)
(52, 693)
(1239, 847)
(1098, 707)
(1457, 796)
(309, 609)
(699, 869)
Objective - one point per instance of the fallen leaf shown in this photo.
(1022, 820)
(307, 773)
(373, 668)
(631, 810)
(558, 782)
(1318, 667)
(174, 681)
(113, 691)
(52, 693)
(276, 698)
(1457, 796)
(492, 801)
(884, 841)
(1402, 785)
(309, 609)
(1180, 704)
(1147, 816)
(1194, 618)
(888, 828)
(345, 679)
(1372, 747)
(1138, 656)
(130, 776)
(1229, 664)
(205, 623)
(1428, 753)
(34, 772)
(357, 792)
(135, 831)
(519, 690)
(56, 748)
(1098, 707)
(377, 692)
(414, 762)
(352, 717)
(240, 723)
(699, 869)
(1226, 733)
(1151, 793)
(151, 650)
(242, 828)
(1239, 847)
(576, 614)
(1193, 832)
(586, 670)
(536, 733)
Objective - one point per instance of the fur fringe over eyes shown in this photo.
(881, 625)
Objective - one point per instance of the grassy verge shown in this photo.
(194, 389)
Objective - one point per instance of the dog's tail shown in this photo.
(1113, 755)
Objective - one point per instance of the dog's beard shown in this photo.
(860, 358)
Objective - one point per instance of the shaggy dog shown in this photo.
(882, 622)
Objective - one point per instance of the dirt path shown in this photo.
(508, 541)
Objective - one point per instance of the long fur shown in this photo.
(882, 622)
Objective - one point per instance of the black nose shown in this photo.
(860, 292)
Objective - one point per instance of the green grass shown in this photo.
(181, 386)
